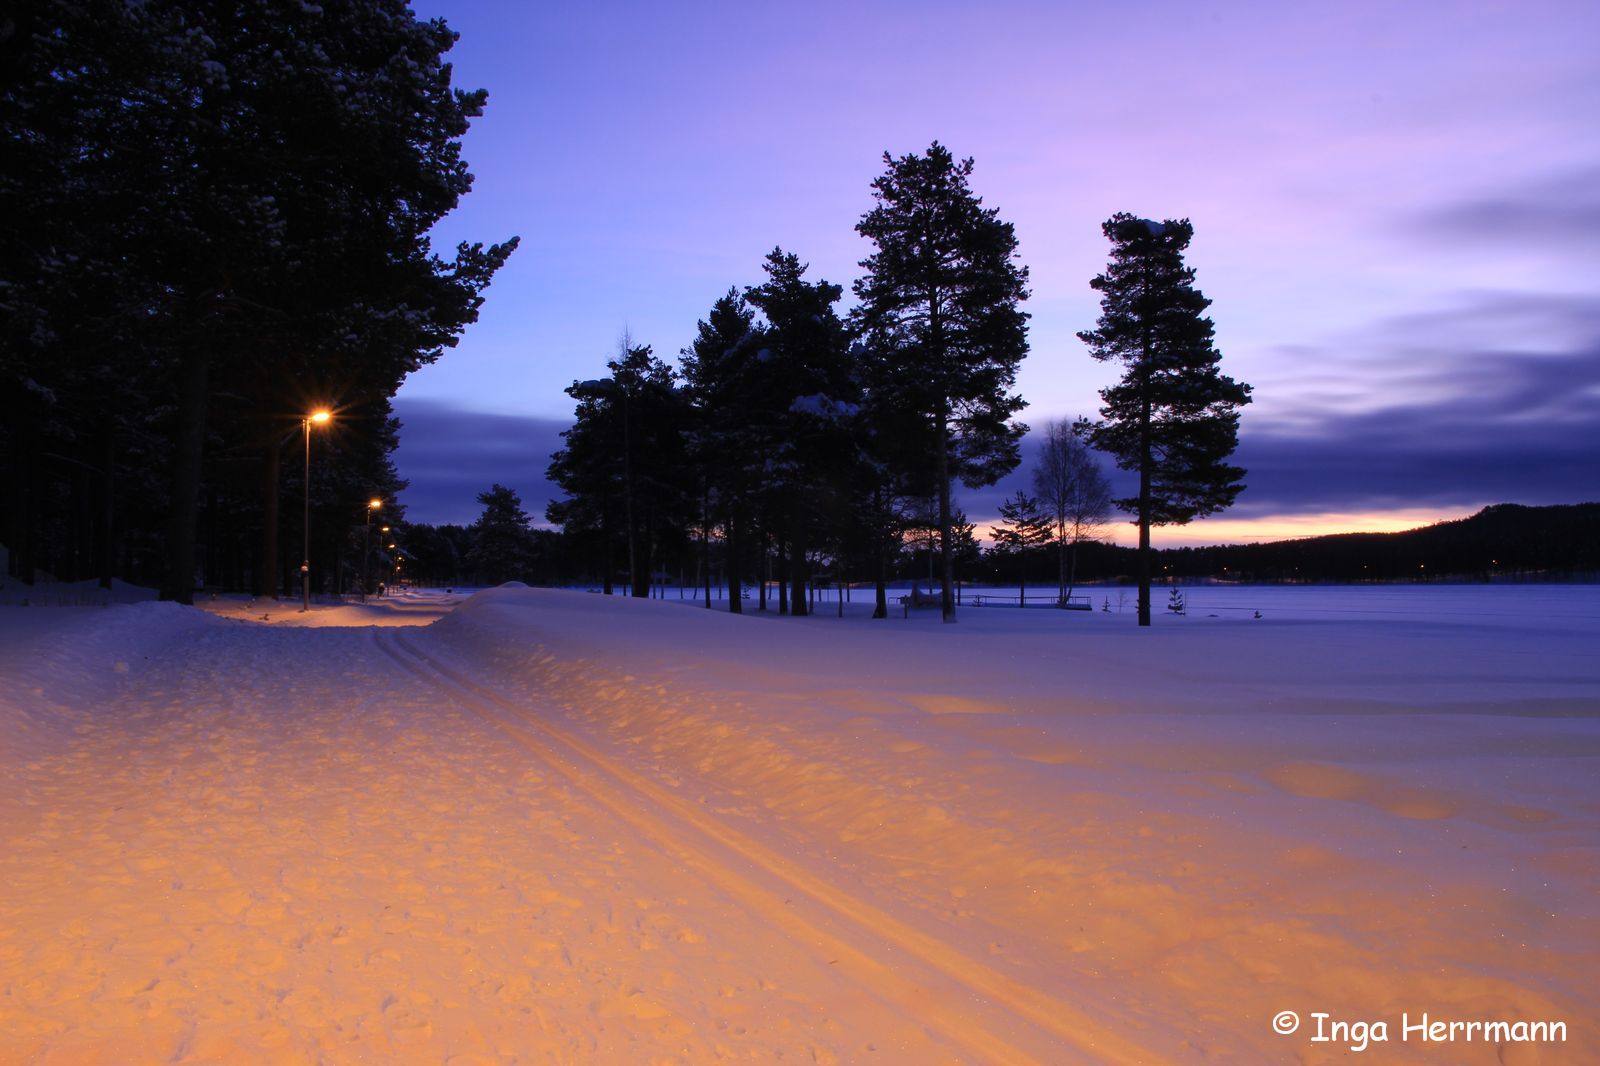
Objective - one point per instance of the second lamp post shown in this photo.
(320, 418)
(366, 545)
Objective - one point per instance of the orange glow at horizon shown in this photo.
(1224, 530)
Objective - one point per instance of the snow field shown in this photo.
(1256, 805)
(556, 827)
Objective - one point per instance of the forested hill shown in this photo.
(1507, 540)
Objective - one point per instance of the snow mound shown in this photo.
(61, 664)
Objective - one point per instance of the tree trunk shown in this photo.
(639, 576)
(188, 453)
(798, 604)
(1144, 507)
(104, 538)
(783, 576)
(23, 438)
(880, 583)
(1072, 571)
(947, 601)
(1063, 588)
(763, 572)
(266, 583)
(735, 576)
(705, 545)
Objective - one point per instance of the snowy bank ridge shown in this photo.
(62, 665)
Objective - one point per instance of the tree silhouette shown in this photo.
(501, 543)
(940, 307)
(1022, 530)
(809, 395)
(1074, 493)
(242, 194)
(1174, 416)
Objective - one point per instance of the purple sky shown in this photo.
(1397, 213)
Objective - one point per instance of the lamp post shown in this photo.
(320, 417)
(366, 545)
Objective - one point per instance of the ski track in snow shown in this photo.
(303, 857)
(565, 829)
(882, 954)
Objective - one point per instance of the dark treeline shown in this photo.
(502, 546)
(216, 219)
(1504, 541)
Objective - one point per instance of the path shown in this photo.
(298, 846)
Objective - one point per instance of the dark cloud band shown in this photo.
(450, 455)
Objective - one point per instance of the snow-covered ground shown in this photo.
(559, 827)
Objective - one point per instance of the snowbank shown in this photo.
(61, 666)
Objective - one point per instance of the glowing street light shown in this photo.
(319, 417)
(366, 544)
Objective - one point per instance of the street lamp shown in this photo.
(320, 417)
(366, 544)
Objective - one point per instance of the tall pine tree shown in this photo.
(940, 302)
(1174, 416)
(716, 381)
(810, 396)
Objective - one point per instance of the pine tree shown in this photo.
(716, 374)
(1022, 529)
(625, 466)
(501, 542)
(1174, 416)
(940, 308)
(809, 396)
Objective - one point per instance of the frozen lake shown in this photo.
(1519, 606)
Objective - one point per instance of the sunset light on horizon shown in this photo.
(1395, 217)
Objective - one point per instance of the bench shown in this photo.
(918, 600)
(1065, 603)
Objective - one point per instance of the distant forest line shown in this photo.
(1503, 542)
